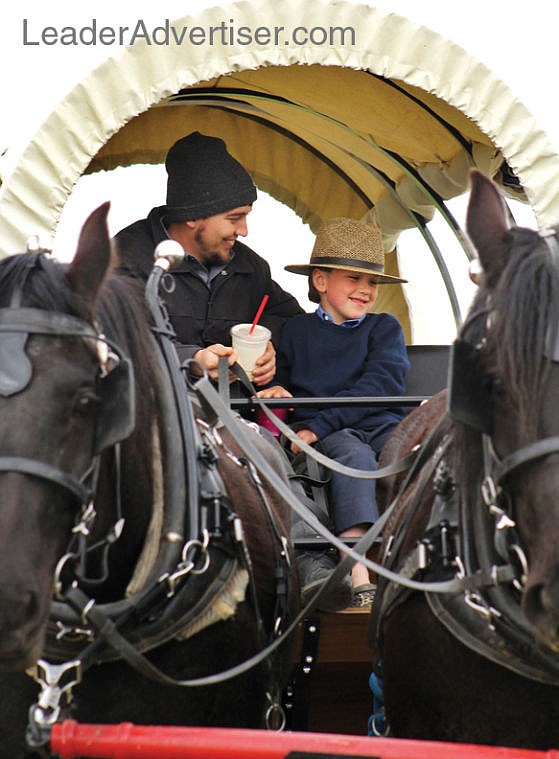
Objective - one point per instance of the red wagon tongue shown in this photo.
(70, 739)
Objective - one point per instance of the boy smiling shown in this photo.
(343, 349)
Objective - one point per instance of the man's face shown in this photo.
(214, 236)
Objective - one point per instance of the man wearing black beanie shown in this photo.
(221, 281)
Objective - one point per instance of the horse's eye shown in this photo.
(86, 404)
(498, 389)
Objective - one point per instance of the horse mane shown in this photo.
(522, 313)
(526, 304)
(41, 282)
(121, 312)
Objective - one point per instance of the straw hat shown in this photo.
(349, 245)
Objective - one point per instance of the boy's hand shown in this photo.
(265, 368)
(276, 391)
(307, 436)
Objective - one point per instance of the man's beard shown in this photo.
(211, 257)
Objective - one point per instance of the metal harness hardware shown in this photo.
(163, 608)
(56, 682)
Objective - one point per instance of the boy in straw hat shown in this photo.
(343, 349)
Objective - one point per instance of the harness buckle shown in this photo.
(83, 527)
(238, 531)
(275, 718)
(460, 568)
(388, 548)
(480, 606)
(200, 548)
(59, 585)
(504, 522)
(73, 633)
(422, 555)
(56, 682)
(173, 579)
(520, 556)
(193, 552)
(489, 491)
(285, 550)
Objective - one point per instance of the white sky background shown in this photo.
(517, 40)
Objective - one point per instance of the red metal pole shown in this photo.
(127, 741)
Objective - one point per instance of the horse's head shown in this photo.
(505, 391)
(51, 370)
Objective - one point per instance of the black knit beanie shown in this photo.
(204, 179)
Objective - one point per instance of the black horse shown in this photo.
(143, 586)
(479, 663)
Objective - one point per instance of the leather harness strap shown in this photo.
(320, 458)
(484, 578)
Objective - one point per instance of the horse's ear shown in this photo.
(93, 256)
(487, 226)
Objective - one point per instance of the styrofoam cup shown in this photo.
(249, 347)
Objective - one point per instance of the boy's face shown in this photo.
(345, 294)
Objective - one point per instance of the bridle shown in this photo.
(487, 530)
(470, 403)
(198, 518)
(475, 536)
(114, 378)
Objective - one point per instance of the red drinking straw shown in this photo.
(258, 314)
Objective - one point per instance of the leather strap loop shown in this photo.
(47, 472)
(536, 450)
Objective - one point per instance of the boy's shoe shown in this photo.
(364, 595)
(314, 570)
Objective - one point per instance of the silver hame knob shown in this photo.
(168, 253)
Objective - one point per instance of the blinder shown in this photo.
(15, 367)
(115, 385)
(469, 394)
(116, 418)
(469, 397)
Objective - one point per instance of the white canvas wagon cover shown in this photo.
(383, 123)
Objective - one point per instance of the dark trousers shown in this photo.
(353, 501)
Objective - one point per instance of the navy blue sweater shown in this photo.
(318, 358)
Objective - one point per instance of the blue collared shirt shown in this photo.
(205, 274)
(350, 323)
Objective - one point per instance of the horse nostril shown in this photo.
(533, 602)
(30, 605)
(18, 607)
(541, 607)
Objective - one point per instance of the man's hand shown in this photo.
(265, 367)
(307, 436)
(209, 358)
